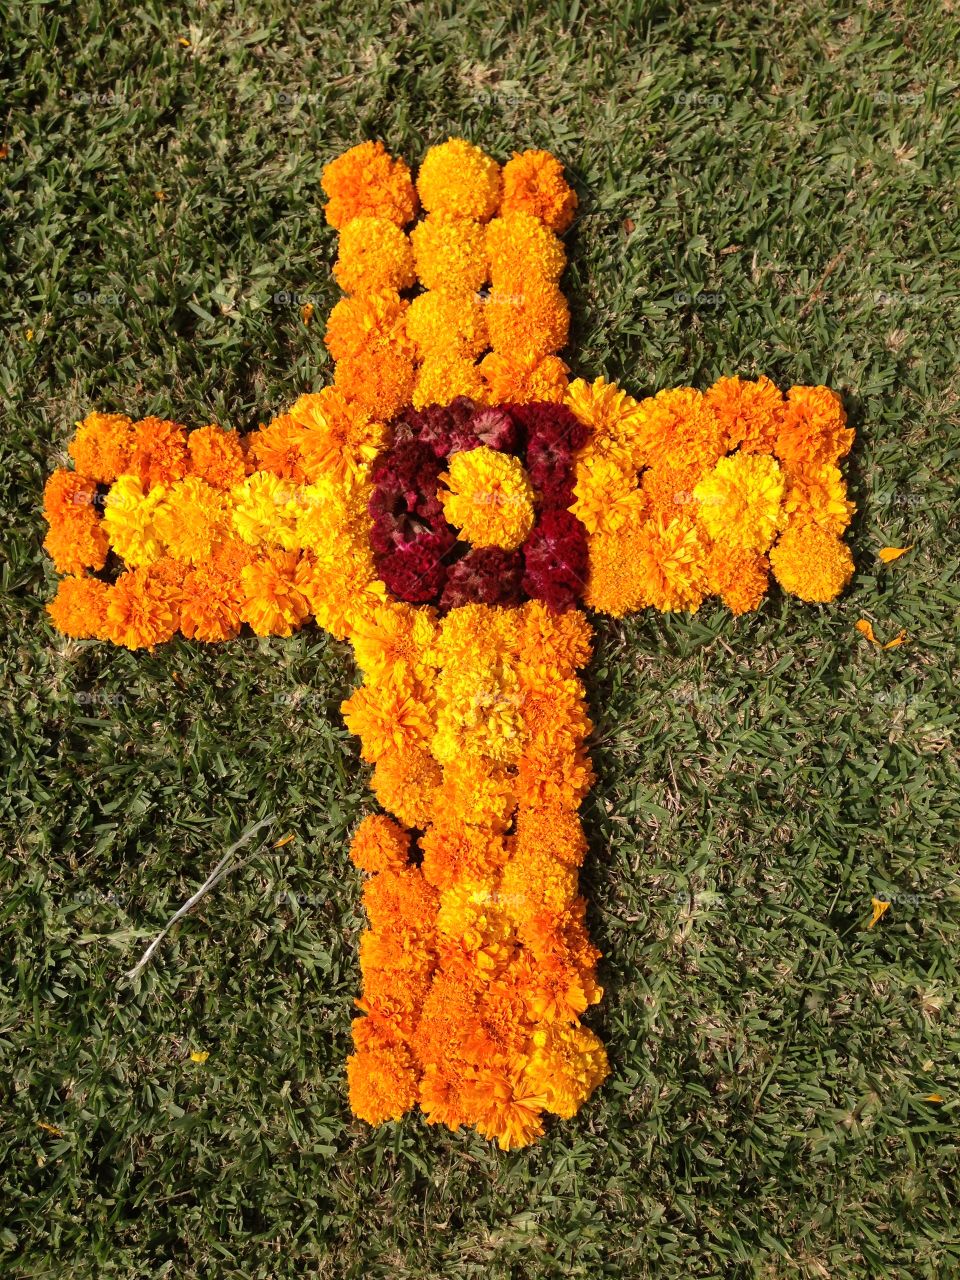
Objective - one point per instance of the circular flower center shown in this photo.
(488, 497)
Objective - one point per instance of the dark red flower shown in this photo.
(555, 559)
(485, 575)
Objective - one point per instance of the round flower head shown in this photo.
(811, 563)
(217, 456)
(459, 179)
(192, 519)
(520, 248)
(749, 412)
(515, 382)
(128, 519)
(159, 454)
(142, 610)
(813, 429)
(442, 378)
(449, 253)
(739, 500)
(79, 608)
(272, 604)
(488, 498)
(533, 182)
(379, 844)
(102, 446)
(374, 255)
(447, 320)
(366, 182)
(360, 324)
(380, 380)
(528, 324)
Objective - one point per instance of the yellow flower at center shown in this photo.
(488, 497)
(740, 500)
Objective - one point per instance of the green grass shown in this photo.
(765, 188)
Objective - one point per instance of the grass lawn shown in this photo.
(764, 188)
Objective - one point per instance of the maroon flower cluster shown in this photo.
(419, 556)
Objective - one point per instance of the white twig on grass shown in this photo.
(216, 875)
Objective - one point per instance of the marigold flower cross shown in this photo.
(447, 505)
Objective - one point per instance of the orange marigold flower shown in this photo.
(811, 563)
(217, 456)
(530, 324)
(554, 831)
(344, 592)
(142, 609)
(272, 603)
(76, 539)
(362, 323)
(401, 899)
(102, 446)
(405, 783)
(159, 454)
(382, 1084)
(680, 428)
(533, 182)
(366, 181)
(669, 487)
(212, 593)
(500, 1109)
(387, 717)
(374, 256)
(441, 378)
(813, 429)
(340, 439)
(449, 253)
(67, 491)
(566, 1065)
(277, 448)
(379, 380)
(379, 844)
(445, 320)
(459, 179)
(515, 382)
(393, 642)
(521, 248)
(748, 412)
(817, 493)
(739, 577)
(659, 563)
(79, 608)
(454, 851)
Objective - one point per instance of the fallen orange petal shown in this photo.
(879, 909)
(306, 312)
(50, 1128)
(197, 1056)
(933, 1097)
(896, 641)
(284, 840)
(889, 554)
(865, 628)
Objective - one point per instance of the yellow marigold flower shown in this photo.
(380, 845)
(607, 496)
(449, 253)
(217, 456)
(192, 518)
(566, 1065)
(405, 783)
(739, 577)
(380, 380)
(263, 513)
(516, 382)
(128, 519)
(446, 320)
(102, 446)
(159, 454)
(813, 428)
(489, 498)
(367, 182)
(521, 248)
(385, 717)
(817, 494)
(529, 324)
(374, 255)
(811, 563)
(394, 642)
(341, 584)
(749, 412)
(739, 501)
(441, 378)
(382, 1084)
(142, 609)
(341, 439)
(459, 179)
(362, 323)
(481, 794)
(272, 603)
(79, 608)
(614, 419)
(533, 182)
(563, 639)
